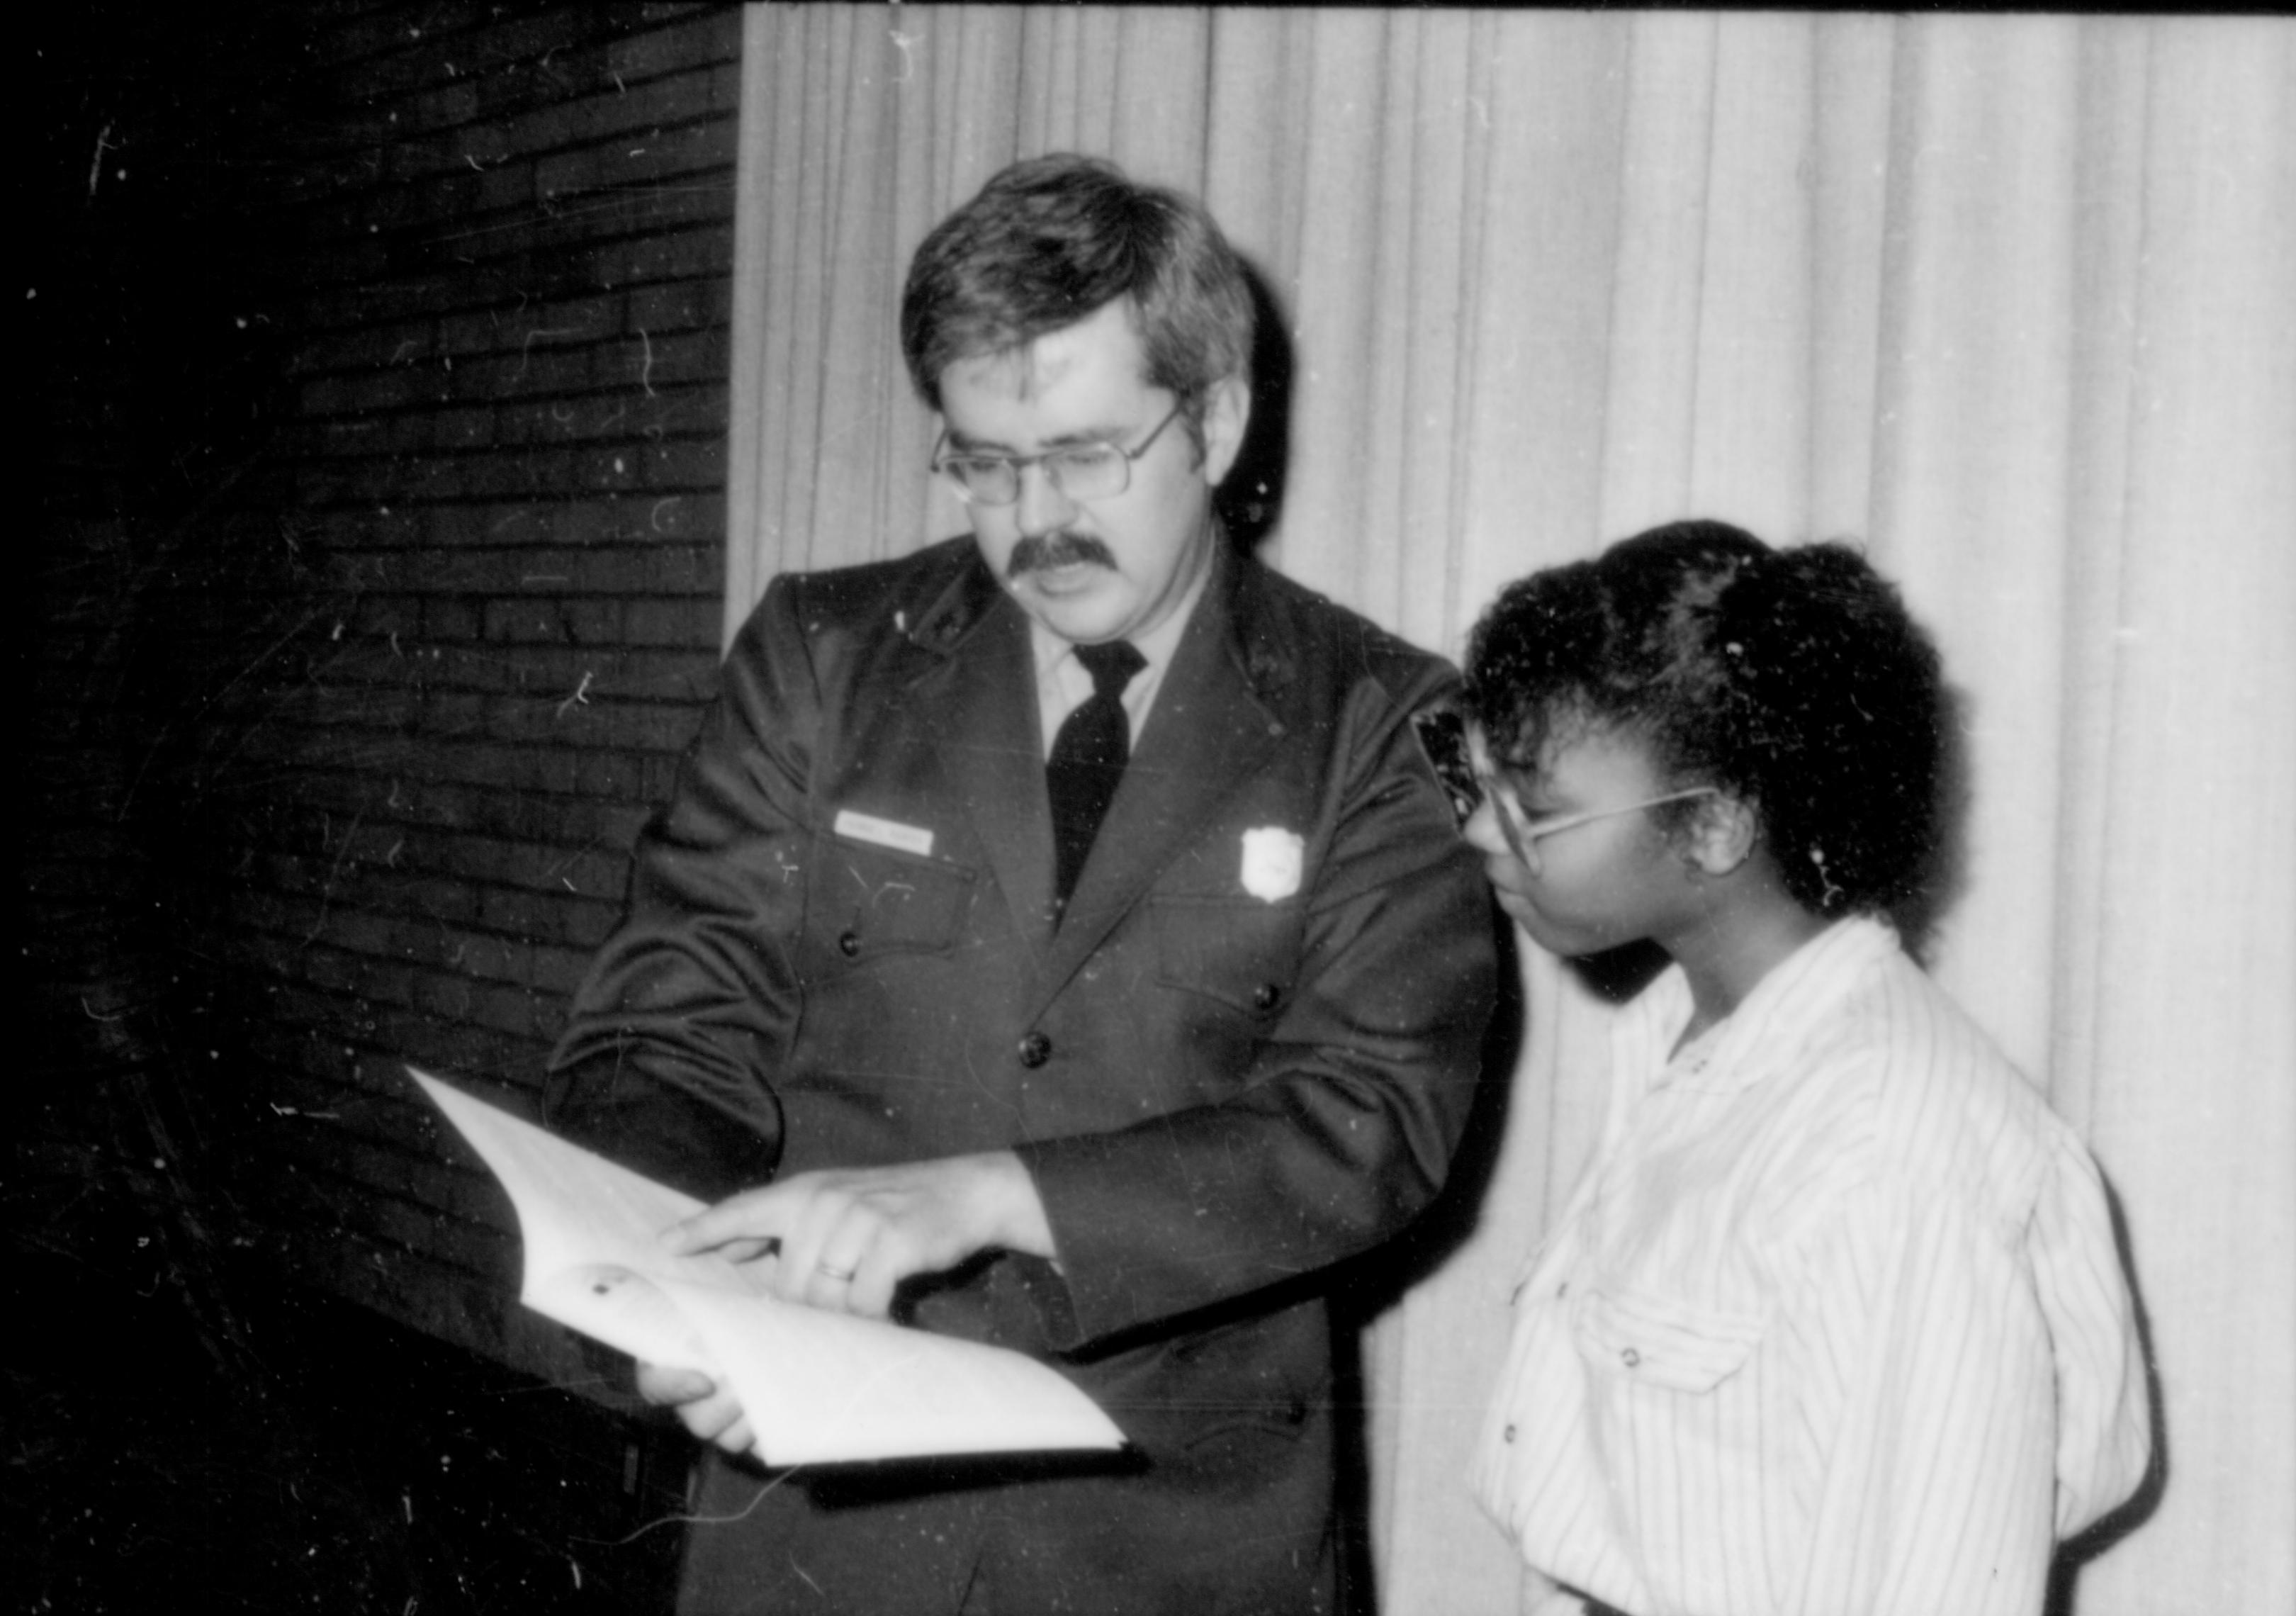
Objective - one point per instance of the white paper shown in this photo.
(818, 1386)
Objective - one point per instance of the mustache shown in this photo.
(1061, 548)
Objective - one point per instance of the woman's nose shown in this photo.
(1482, 831)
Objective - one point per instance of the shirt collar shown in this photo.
(1155, 647)
(1784, 1006)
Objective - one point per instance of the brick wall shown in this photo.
(353, 715)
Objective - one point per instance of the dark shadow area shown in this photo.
(189, 1419)
(1616, 974)
(320, 1459)
(1944, 873)
(2064, 1576)
(1251, 501)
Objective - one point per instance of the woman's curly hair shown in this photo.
(1793, 680)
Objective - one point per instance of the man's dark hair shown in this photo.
(1052, 239)
(1791, 679)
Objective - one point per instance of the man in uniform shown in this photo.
(1058, 938)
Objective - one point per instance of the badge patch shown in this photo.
(1273, 858)
(884, 833)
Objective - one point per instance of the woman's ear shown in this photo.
(1722, 834)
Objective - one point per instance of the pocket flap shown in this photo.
(1244, 954)
(868, 901)
(1660, 1340)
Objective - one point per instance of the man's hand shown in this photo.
(706, 1409)
(848, 1235)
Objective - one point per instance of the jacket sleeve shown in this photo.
(1344, 1128)
(694, 996)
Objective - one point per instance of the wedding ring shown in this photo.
(842, 1276)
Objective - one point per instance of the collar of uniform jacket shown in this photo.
(1257, 638)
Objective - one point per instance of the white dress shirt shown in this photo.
(1064, 683)
(1834, 1325)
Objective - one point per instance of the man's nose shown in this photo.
(1041, 508)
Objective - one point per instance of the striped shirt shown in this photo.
(1835, 1323)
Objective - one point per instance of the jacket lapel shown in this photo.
(1209, 731)
(981, 703)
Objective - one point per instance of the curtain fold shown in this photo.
(2010, 300)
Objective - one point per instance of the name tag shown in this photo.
(884, 833)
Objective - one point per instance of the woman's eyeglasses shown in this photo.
(1524, 833)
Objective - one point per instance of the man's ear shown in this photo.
(1228, 411)
(1722, 834)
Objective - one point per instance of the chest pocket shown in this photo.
(865, 903)
(1246, 955)
(1657, 1342)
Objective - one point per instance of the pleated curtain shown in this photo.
(2010, 300)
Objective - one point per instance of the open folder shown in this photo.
(818, 1386)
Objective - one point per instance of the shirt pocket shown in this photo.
(1660, 1342)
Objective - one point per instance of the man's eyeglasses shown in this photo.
(1523, 834)
(1080, 470)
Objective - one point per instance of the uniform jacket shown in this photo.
(1243, 1055)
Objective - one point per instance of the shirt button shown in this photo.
(1264, 996)
(1036, 1049)
(848, 944)
(1507, 1435)
(1631, 1358)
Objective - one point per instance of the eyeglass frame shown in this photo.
(1523, 834)
(1018, 463)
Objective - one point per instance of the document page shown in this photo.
(818, 1386)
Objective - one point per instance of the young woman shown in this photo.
(1835, 1321)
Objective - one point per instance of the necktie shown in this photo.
(1088, 759)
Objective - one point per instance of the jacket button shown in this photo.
(1036, 1049)
(1629, 1357)
(848, 944)
(1264, 997)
